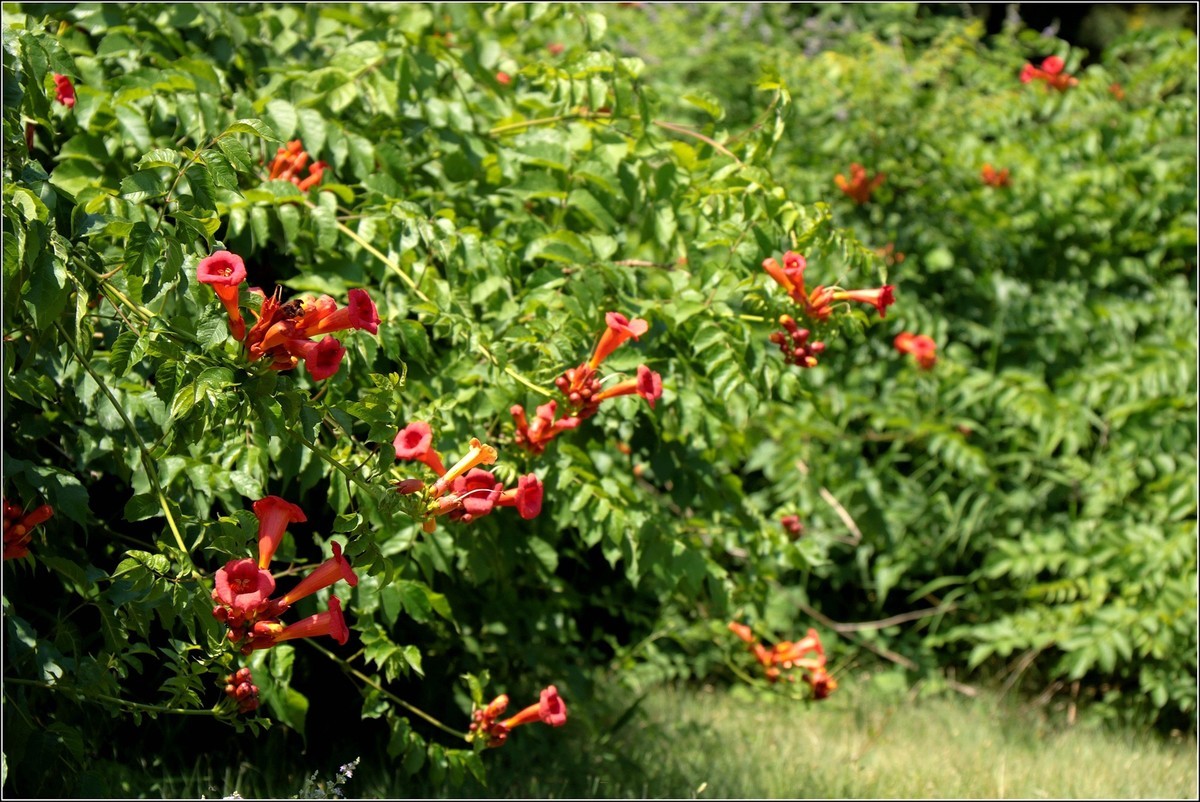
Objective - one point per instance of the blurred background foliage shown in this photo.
(1024, 514)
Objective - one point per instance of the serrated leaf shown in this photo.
(159, 157)
(282, 116)
(121, 353)
(220, 170)
(252, 126)
(142, 186)
(237, 154)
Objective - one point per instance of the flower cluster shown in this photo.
(240, 689)
(18, 527)
(921, 346)
(464, 492)
(858, 187)
(284, 332)
(793, 342)
(288, 163)
(550, 709)
(993, 177)
(786, 655)
(584, 389)
(1051, 72)
(244, 587)
(816, 304)
(64, 90)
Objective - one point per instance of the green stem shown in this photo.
(523, 124)
(371, 249)
(103, 697)
(147, 461)
(509, 370)
(349, 669)
(325, 455)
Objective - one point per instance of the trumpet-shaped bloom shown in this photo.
(648, 385)
(243, 588)
(359, 313)
(880, 297)
(274, 515)
(550, 709)
(478, 490)
(224, 272)
(479, 454)
(331, 622)
(619, 329)
(327, 573)
(322, 359)
(921, 346)
(64, 90)
(526, 497)
(415, 442)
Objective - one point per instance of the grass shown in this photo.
(742, 743)
(739, 743)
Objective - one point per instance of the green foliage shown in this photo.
(497, 197)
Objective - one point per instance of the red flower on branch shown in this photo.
(242, 592)
(224, 272)
(793, 526)
(327, 573)
(415, 442)
(274, 514)
(64, 90)
(793, 343)
(880, 297)
(288, 163)
(648, 385)
(240, 689)
(526, 497)
(858, 187)
(331, 622)
(922, 348)
(993, 177)
(619, 329)
(1051, 73)
(534, 437)
(18, 528)
(283, 332)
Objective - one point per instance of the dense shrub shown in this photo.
(499, 180)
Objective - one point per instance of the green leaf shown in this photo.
(121, 353)
(252, 126)
(159, 157)
(282, 116)
(220, 170)
(142, 506)
(142, 186)
(237, 154)
(133, 125)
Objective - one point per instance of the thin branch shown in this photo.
(679, 129)
(837, 507)
(103, 697)
(887, 654)
(349, 669)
